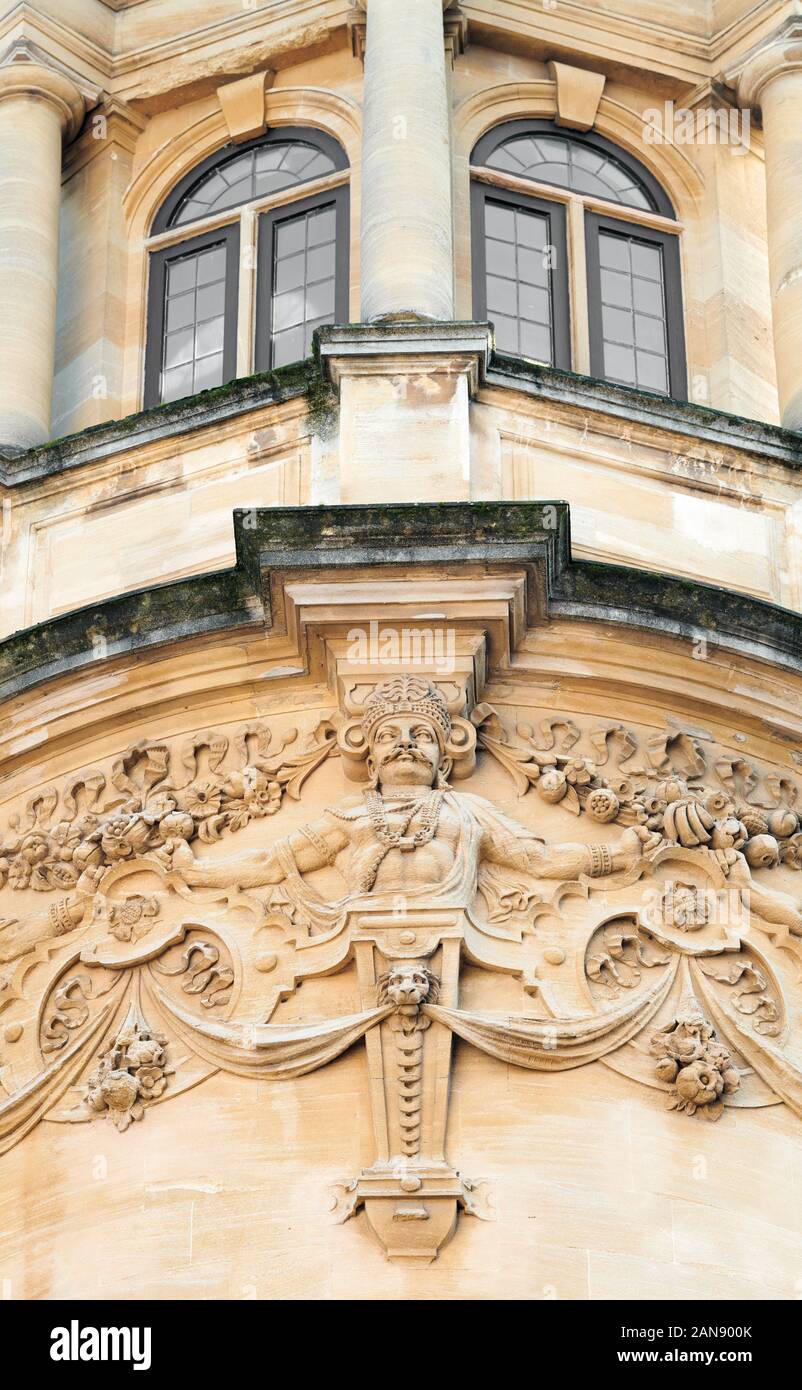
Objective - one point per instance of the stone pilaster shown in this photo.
(40, 107)
(770, 78)
(407, 255)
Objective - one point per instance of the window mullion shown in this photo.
(246, 293)
(578, 288)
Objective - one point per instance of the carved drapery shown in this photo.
(675, 963)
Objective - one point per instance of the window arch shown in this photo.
(540, 192)
(231, 239)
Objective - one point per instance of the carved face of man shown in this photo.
(405, 751)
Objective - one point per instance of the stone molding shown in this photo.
(25, 69)
(533, 537)
(775, 56)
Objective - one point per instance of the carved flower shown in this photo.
(201, 801)
(578, 772)
(177, 825)
(697, 1085)
(144, 1052)
(264, 797)
(791, 852)
(19, 873)
(35, 848)
(5, 864)
(602, 804)
(667, 1069)
(152, 1081)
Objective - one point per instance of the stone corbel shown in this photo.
(243, 104)
(578, 95)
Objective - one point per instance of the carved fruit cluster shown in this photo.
(698, 1067)
(157, 808)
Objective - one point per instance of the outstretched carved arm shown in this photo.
(569, 860)
(312, 847)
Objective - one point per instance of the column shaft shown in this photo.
(781, 102)
(407, 240)
(30, 189)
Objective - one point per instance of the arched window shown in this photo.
(563, 220)
(258, 232)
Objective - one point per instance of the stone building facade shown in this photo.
(401, 659)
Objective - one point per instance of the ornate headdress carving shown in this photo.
(407, 695)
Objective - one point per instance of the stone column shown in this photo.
(39, 106)
(771, 78)
(407, 255)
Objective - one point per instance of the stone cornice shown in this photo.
(533, 537)
(768, 444)
(779, 53)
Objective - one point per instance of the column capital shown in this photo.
(26, 70)
(779, 53)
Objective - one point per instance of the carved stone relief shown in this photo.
(638, 931)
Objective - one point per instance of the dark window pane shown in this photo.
(320, 301)
(614, 252)
(649, 333)
(322, 226)
(288, 347)
(209, 337)
(502, 295)
(179, 347)
(534, 304)
(499, 222)
(177, 383)
(647, 261)
(533, 267)
(648, 296)
(320, 262)
(211, 265)
(567, 163)
(500, 258)
(616, 288)
(251, 174)
(536, 342)
(506, 333)
(181, 275)
(532, 229)
(652, 371)
(619, 363)
(194, 319)
(209, 372)
(304, 281)
(288, 309)
(617, 325)
(290, 272)
(518, 282)
(211, 300)
(635, 343)
(181, 311)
